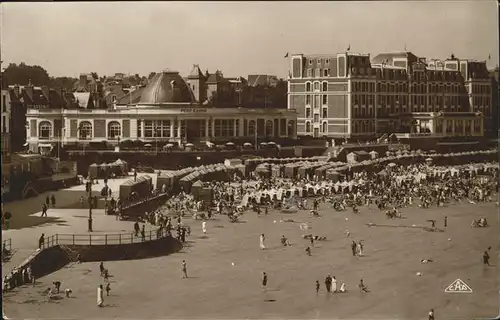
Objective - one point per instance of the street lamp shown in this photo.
(89, 188)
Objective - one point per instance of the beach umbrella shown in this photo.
(147, 145)
(247, 144)
(189, 145)
(392, 164)
(229, 144)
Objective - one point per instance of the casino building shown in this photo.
(168, 109)
(355, 96)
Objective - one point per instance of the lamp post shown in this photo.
(89, 183)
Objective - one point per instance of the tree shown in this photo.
(151, 75)
(94, 75)
(66, 83)
(22, 74)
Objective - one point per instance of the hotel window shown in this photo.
(308, 126)
(309, 73)
(45, 130)
(363, 99)
(325, 127)
(114, 130)
(325, 99)
(310, 62)
(325, 86)
(477, 125)
(327, 61)
(4, 103)
(282, 127)
(139, 126)
(318, 73)
(326, 72)
(148, 128)
(449, 126)
(369, 99)
(85, 130)
(316, 118)
(308, 99)
(355, 99)
(317, 101)
(325, 113)
(316, 86)
(308, 87)
(308, 112)
(318, 61)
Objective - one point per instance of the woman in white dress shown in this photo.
(262, 239)
(334, 284)
(100, 297)
(343, 288)
(204, 226)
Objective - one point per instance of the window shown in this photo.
(4, 103)
(251, 128)
(308, 87)
(291, 128)
(319, 61)
(308, 112)
(327, 61)
(318, 73)
(282, 127)
(85, 129)
(325, 99)
(4, 125)
(113, 98)
(45, 130)
(317, 101)
(165, 128)
(309, 73)
(325, 113)
(114, 130)
(325, 127)
(308, 99)
(326, 72)
(316, 118)
(308, 127)
(310, 62)
(148, 128)
(325, 87)
(316, 86)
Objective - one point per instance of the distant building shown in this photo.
(168, 109)
(348, 95)
(255, 80)
(6, 143)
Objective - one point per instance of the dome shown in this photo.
(167, 87)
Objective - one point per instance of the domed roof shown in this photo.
(166, 87)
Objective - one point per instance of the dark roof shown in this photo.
(166, 87)
(388, 57)
(215, 78)
(131, 98)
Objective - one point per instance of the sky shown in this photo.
(238, 38)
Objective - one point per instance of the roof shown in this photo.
(196, 73)
(82, 98)
(387, 57)
(215, 77)
(130, 98)
(166, 87)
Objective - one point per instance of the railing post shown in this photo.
(120, 238)
(90, 239)
(131, 238)
(73, 239)
(57, 238)
(106, 239)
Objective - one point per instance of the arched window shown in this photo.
(325, 127)
(85, 130)
(291, 128)
(251, 128)
(308, 127)
(325, 86)
(269, 128)
(308, 87)
(114, 130)
(44, 130)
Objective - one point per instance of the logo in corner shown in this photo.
(458, 286)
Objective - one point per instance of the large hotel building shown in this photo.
(354, 96)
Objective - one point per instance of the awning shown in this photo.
(457, 143)
(44, 145)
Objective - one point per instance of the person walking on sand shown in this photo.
(108, 289)
(264, 281)
(317, 287)
(334, 284)
(53, 200)
(184, 270)
(100, 297)
(262, 244)
(44, 210)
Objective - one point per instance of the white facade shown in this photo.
(177, 124)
